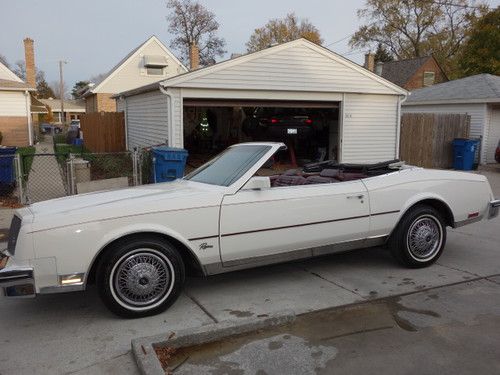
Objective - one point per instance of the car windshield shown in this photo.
(229, 166)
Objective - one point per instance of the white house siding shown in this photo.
(493, 134)
(298, 68)
(12, 103)
(132, 73)
(370, 125)
(147, 119)
(477, 113)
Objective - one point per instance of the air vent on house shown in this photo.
(155, 61)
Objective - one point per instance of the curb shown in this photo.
(145, 355)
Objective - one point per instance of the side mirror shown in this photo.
(257, 183)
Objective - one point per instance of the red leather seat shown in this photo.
(285, 180)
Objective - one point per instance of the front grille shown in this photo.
(15, 227)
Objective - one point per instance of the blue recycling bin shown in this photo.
(168, 163)
(464, 153)
(7, 176)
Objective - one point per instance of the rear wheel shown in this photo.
(141, 277)
(419, 238)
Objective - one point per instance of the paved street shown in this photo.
(74, 333)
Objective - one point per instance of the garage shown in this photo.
(477, 96)
(321, 105)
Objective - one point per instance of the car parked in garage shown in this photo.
(137, 243)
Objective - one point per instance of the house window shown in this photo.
(154, 71)
(429, 78)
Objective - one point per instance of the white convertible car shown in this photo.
(136, 244)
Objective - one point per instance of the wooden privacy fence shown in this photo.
(103, 131)
(426, 138)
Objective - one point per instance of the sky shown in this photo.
(94, 35)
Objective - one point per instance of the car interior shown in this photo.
(332, 172)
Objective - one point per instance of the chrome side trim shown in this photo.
(240, 264)
(61, 289)
(458, 224)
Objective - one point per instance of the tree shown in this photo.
(20, 69)
(43, 89)
(481, 52)
(283, 30)
(78, 86)
(382, 55)
(191, 23)
(415, 28)
(56, 89)
(4, 61)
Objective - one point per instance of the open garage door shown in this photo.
(309, 128)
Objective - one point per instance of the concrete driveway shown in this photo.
(74, 333)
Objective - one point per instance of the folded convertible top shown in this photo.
(364, 168)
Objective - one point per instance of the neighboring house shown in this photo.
(363, 109)
(15, 109)
(410, 74)
(72, 109)
(150, 62)
(477, 96)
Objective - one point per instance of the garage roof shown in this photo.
(480, 88)
(299, 65)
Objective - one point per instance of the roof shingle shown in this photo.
(480, 87)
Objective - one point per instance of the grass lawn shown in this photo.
(26, 154)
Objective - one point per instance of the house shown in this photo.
(477, 96)
(150, 62)
(410, 74)
(72, 109)
(355, 113)
(15, 109)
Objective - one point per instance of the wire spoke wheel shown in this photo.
(142, 278)
(424, 237)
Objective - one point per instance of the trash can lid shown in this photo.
(168, 149)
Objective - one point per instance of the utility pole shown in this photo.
(61, 90)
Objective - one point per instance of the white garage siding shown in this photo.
(297, 68)
(147, 119)
(493, 134)
(12, 103)
(369, 128)
(477, 113)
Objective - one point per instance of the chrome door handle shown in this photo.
(357, 196)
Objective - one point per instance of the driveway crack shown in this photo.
(96, 363)
(330, 281)
(459, 270)
(197, 303)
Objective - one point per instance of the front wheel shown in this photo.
(140, 277)
(419, 238)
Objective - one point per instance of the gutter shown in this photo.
(28, 115)
(401, 100)
(170, 114)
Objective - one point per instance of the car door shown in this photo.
(284, 222)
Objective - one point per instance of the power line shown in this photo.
(340, 40)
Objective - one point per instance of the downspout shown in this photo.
(401, 100)
(170, 115)
(28, 115)
(125, 115)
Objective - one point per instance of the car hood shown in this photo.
(180, 194)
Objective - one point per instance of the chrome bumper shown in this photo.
(16, 281)
(494, 208)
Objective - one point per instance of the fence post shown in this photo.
(135, 166)
(71, 174)
(19, 178)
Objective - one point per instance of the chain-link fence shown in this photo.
(10, 180)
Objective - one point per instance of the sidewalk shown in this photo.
(45, 180)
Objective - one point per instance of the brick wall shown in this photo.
(100, 103)
(14, 130)
(417, 81)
